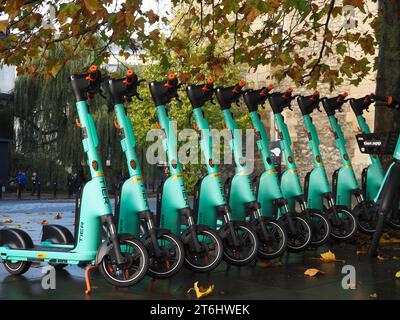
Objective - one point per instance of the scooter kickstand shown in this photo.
(87, 278)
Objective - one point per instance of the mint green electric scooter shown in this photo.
(372, 176)
(316, 184)
(268, 188)
(132, 212)
(210, 205)
(272, 237)
(203, 246)
(121, 258)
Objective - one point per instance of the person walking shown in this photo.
(21, 182)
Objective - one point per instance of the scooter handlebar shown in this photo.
(389, 101)
(309, 103)
(164, 91)
(331, 105)
(86, 85)
(254, 98)
(200, 94)
(227, 95)
(361, 104)
(281, 100)
(124, 89)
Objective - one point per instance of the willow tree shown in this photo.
(47, 140)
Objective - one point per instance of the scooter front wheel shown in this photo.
(246, 250)
(132, 271)
(320, 228)
(344, 226)
(171, 257)
(367, 216)
(274, 243)
(210, 254)
(298, 231)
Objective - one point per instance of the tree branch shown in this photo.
(326, 28)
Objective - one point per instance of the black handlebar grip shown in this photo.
(227, 95)
(254, 98)
(309, 103)
(200, 94)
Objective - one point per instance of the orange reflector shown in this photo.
(173, 163)
(95, 165)
(133, 164)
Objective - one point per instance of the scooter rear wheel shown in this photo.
(276, 242)
(299, 234)
(132, 271)
(171, 260)
(347, 226)
(210, 255)
(246, 252)
(17, 268)
(366, 219)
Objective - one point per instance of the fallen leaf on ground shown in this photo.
(44, 222)
(328, 256)
(397, 275)
(360, 252)
(58, 216)
(380, 257)
(395, 258)
(7, 221)
(373, 295)
(200, 291)
(312, 272)
(267, 264)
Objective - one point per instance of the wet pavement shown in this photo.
(282, 279)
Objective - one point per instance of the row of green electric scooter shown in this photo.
(234, 222)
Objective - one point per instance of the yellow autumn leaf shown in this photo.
(328, 256)
(397, 274)
(312, 272)
(200, 291)
(91, 5)
(3, 26)
(373, 295)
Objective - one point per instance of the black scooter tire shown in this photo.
(229, 258)
(206, 268)
(303, 226)
(143, 265)
(180, 258)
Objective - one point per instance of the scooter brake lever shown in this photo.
(138, 97)
(237, 103)
(212, 102)
(177, 99)
(319, 109)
